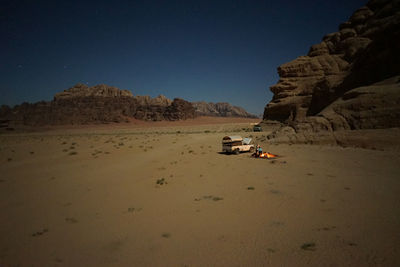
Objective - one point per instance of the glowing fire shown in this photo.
(267, 155)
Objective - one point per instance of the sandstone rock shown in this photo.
(160, 100)
(361, 15)
(347, 33)
(353, 46)
(101, 90)
(81, 104)
(318, 49)
(367, 107)
(363, 52)
(299, 79)
(180, 109)
(220, 110)
(348, 85)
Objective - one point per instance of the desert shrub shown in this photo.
(166, 235)
(308, 246)
(161, 181)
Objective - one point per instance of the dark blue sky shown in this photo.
(197, 50)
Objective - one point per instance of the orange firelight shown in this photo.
(267, 155)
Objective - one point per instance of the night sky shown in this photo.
(214, 51)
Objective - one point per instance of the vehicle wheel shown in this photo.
(251, 149)
(236, 152)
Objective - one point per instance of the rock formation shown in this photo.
(349, 80)
(220, 110)
(82, 90)
(98, 104)
(82, 104)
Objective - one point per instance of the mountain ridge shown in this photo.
(81, 104)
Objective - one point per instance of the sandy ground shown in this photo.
(166, 197)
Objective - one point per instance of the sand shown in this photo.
(165, 196)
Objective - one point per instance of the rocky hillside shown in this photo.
(349, 80)
(220, 110)
(98, 104)
(81, 104)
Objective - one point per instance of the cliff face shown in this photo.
(82, 90)
(98, 104)
(344, 81)
(81, 104)
(220, 110)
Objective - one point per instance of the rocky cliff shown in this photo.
(220, 110)
(82, 90)
(349, 80)
(81, 104)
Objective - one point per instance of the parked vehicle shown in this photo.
(257, 128)
(236, 144)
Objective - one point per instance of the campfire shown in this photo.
(267, 155)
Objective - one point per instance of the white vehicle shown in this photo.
(236, 144)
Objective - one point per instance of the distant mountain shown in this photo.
(82, 104)
(220, 110)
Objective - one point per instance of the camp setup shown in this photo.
(265, 155)
(260, 154)
(237, 144)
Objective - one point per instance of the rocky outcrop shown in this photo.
(98, 104)
(179, 109)
(157, 101)
(220, 110)
(82, 90)
(368, 107)
(81, 104)
(349, 81)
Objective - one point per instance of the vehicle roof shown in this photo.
(232, 138)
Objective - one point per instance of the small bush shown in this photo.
(308, 246)
(166, 235)
(161, 181)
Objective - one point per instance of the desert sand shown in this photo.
(163, 195)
